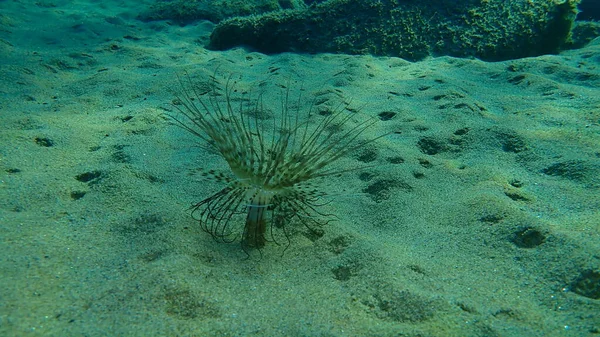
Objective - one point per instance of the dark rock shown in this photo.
(490, 30)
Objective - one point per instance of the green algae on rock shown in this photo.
(487, 29)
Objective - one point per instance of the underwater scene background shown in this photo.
(473, 212)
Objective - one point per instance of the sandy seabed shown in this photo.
(477, 214)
